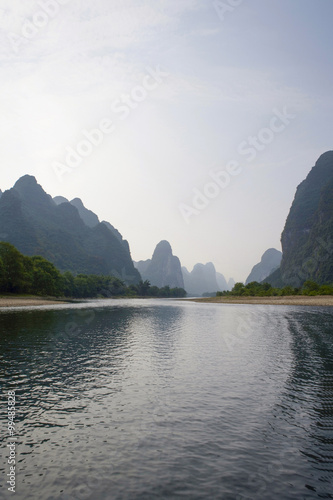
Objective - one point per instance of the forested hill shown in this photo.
(35, 275)
(36, 225)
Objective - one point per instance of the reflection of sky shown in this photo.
(225, 78)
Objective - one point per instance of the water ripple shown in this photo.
(136, 399)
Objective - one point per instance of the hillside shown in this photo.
(36, 225)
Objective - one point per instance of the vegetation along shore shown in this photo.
(291, 300)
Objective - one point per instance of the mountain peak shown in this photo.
(26, 180)
(37, 225)
(164, 268)
(164, 244)
(162, 248)
(29, 189)
(58, 200)
(271, 254)
(88, 217)
(325, 158)
(77, 202)
(270, 261)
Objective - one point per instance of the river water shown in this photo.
(162, 399)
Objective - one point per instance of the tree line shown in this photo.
(20, 274)
(255, 289)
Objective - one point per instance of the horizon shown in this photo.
(189, 122)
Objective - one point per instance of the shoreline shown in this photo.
(288, 300)
(30, 301)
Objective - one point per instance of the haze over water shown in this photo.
(142, 399)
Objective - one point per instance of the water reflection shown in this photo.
(308, 401)
(159, 399)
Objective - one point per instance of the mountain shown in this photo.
(231, 284)
(202, 279)
(142, 266)
(60, 199)
(221, 282)
(55, 229)
(89, 218)
(306, 240)
(163, 268)
(270, 261)
(117, 234)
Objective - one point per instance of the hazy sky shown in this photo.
(210, 114)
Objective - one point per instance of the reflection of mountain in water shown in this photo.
(72, 345)
(65, 347)
(307, 403)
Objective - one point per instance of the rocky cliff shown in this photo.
(307, 244)
(307, 236)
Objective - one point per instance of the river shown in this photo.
(162, 399)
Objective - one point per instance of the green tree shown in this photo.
(177, 292)
(238, 289)
(164, 292)
(310, 288)
(326, 290)
(287, 290)
(13, 268)
(143, 288)
(132, 291)
(47, 279)
(68, 284)
(2, 274)
(27, 278)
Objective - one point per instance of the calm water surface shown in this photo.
(153, 399)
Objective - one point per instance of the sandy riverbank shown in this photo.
(28, 301)
(294, 300)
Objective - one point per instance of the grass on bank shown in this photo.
(255, 289)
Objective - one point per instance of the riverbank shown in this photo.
(290, 300)
(29, 301)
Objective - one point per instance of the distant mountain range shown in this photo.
(72, 237)
(307, 244)
(63, 232)
(165, 268)
(203, 279)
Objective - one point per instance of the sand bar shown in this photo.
(293, 300)
(28, 301)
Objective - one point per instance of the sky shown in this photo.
(191, 121)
